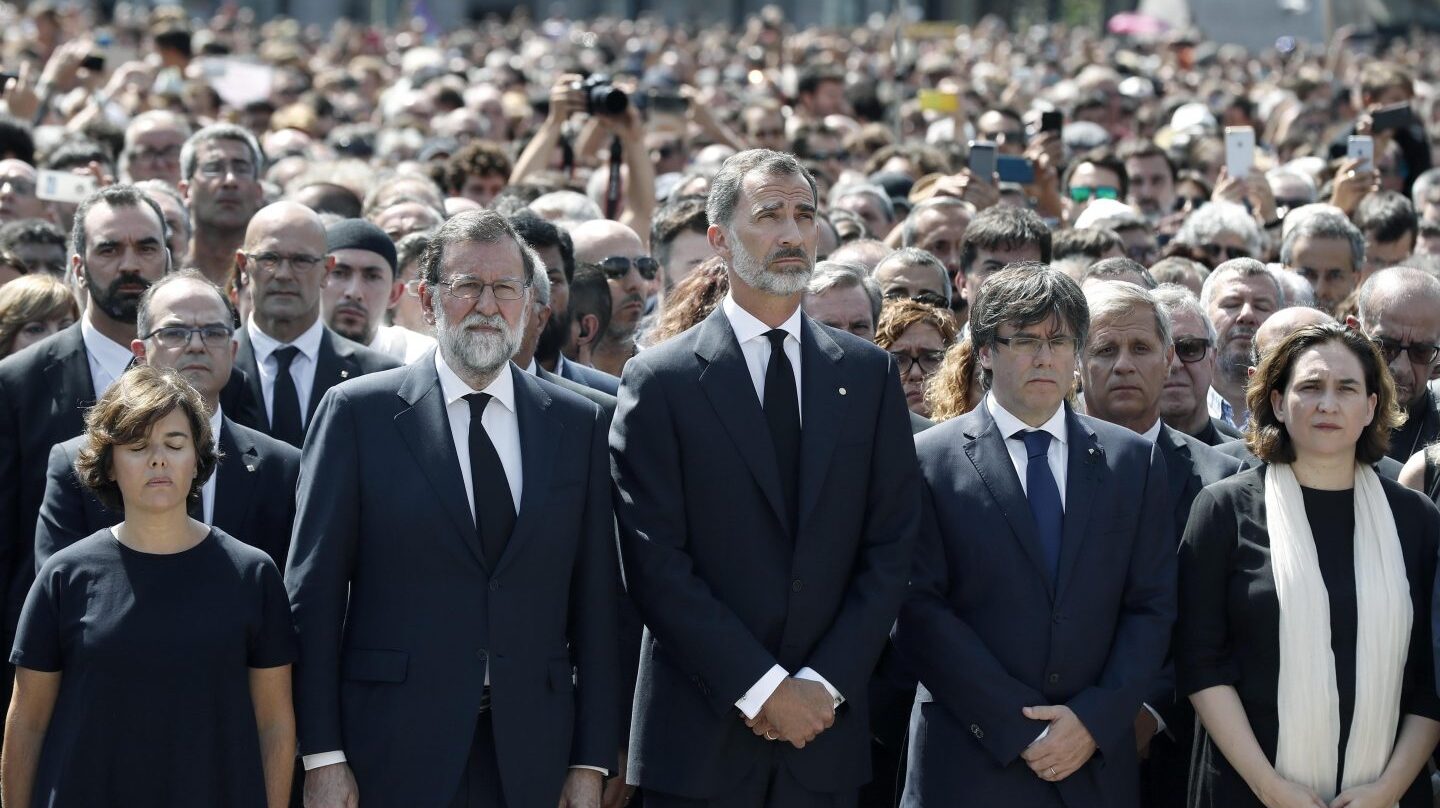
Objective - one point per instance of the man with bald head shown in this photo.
(17, 192)
(1399, 310)
(621, 255)
(153, 141)
(288, 355)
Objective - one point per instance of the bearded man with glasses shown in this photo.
(1399, 310)
(288, 356)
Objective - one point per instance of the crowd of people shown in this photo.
(604, 413)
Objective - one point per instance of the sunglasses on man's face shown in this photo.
(1191, 349)
(616, 267)
(1084, 193)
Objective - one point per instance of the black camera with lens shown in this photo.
(602, 97)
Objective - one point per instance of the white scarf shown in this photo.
(1308, 701)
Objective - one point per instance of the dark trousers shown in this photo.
(769, 785)
(480, 785)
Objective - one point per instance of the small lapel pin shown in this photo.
(249, 467)
(842, 391)
(344, 374)
(1092, 452)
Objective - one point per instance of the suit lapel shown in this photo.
(540, 435)
(426, 430)
(1082, 484)
(991, 458)
(68, 376)
(823, 407)
(1177, 459)
(249, 369)
(234, 479)
(726, 382)
(334, 363)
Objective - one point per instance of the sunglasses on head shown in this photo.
(617, 267)
(1192, 349)
(1084, 193)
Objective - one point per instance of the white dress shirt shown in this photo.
(108, 359)
(302, 367)
(400, 343)
(1058, 455)
(750, 333)
(207, 491)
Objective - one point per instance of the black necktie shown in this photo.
(494, 506)
(782, 412)
(285, 402)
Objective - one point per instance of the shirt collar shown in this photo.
(215, 421)
(534, 368)
(112, 356)
(747, 326)
(264, 344)
(1153, 433)
(454, 388)
(1009, 424)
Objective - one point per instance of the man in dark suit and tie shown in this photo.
(453, 567)
(117, 251)
(1043, 590)
(767, 505)
(287, 355)
(183, 322)
(1124, 368)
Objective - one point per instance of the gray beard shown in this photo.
(481, 354)
(753, 272)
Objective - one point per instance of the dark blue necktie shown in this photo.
(1044, 497)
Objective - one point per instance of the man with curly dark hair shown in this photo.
(478, 171)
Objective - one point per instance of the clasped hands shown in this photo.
(1066, 746)
(797, 712)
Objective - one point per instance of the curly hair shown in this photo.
(125, 414)
(692, 300)
(897, 317)
(476, 158)
(948, 392)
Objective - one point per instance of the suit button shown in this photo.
(797, 586)
(495, 585)
(976, 731)
(1054, 678)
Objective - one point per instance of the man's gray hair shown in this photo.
(1413, 282)
(1324, 224)
(914, 256)
(216, 132)
(830, 275)
(164, 117)
(871, 190)
(1175, 298)
(1296, 175)
(566, 208)
(1297, 288)
(1245, 268)
(725, 188)
(410, 248)
(1108, 299)
(910, 228)
(475, 226)
(1023, 294)
(1424, 184)
(142, 309)
(538, 274)
(1206, 224)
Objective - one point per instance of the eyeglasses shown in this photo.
(767, 134)
(1189, 202)
(929, 361)
(1030, 346)
(1232, 253)
(1192, 349)
(841, 155)
(412, 288)
(154, 155)
(467, 288)
(1419, 353)
(178, 336)
(270, 262)
(1083, 193)
(1142, 253)
(927, 298)
(616, 267)
(242, 169)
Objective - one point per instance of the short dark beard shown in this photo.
(118, 307)
(553, 337)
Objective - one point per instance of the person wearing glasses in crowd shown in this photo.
(1043, 590)
(1304, 635)
(1221, 231)
(620, 254)
(1183, 401)
(153, 141)
(1097, 174)
(220, 170)
(152, 661)
(1399, 310)
(916, 335)
(914, 274)
(183, 323)
(363, 287)
(288, 355)
(1329, 252)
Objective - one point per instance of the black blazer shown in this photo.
(399, 616)
(725, 590)
(988, 634)
(588, 376)
(1217, 431)
(44, 392)
(254, 495)
(605, 401)
(339, 359)
(1386, 467)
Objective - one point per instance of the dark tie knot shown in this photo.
(478, 403)
(777, 338)
(284, 356)
(1037, 442)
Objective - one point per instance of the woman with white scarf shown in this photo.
(1304, 628)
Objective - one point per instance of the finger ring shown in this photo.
(1052, 771)
(770, 737)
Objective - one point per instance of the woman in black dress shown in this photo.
(152, 658)
(1304, 626)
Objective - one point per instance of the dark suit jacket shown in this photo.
(1386, 467)
(243, 398)
(254, 495)
(1217, 432)
(44, 392)
(590, 377)
(988, 634)
(399, 615)
(605, 401)
(724, 587)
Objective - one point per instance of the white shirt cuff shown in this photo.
(1159, 722)
(1041, 736)
(319, 759)
(603, 772)
(809, 673)
(760, 692)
